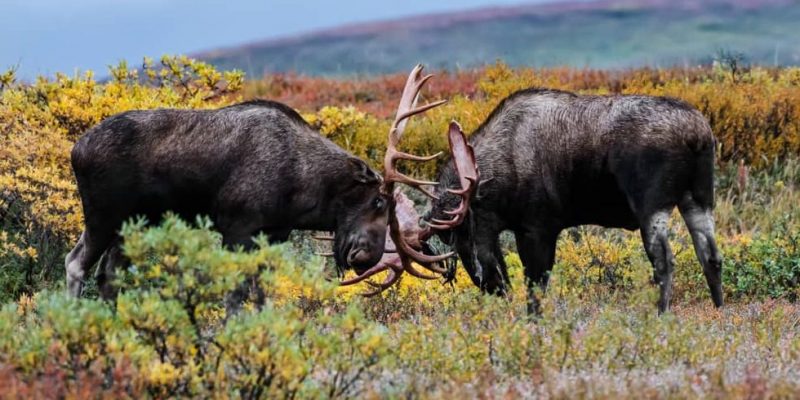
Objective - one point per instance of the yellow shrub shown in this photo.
(598, 262)
(40, 122)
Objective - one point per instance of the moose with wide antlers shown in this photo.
(552, 160)
(255, 167)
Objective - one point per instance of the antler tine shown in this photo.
(465, 191)
(393, 277)
(402, 119)
(402, 178)
(434, 268)
(380, 287)
(467, 169)
(368, 273)
(436, 226)
(411, 157)
(404, 249)
(417, 274)
(408, 100)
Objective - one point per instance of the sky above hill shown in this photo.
(48, 36)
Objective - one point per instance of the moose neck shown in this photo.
(316, 202)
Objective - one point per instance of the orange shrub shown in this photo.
(755, 115)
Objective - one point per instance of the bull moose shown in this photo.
(254, 167)
(551, 159)
(251, 167)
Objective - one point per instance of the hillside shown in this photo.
(603, 34)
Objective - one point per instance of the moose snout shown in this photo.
(357, 256)
(363, 254)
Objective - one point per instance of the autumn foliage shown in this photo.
(167, 334)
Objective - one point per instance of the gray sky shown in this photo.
(48, 36)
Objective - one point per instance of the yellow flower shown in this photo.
(163, 373)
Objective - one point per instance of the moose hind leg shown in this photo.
(700, 222)
(74, 267)
(85, 254)
(655, 235)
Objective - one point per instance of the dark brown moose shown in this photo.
(254, 167)
(551, 160)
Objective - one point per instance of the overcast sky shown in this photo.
(47, 36)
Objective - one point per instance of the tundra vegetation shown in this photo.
(598, 337)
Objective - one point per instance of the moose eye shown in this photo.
(379, 203)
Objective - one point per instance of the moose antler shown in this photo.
(467, 169)
(405, 234)
(393, 261)
(406, 110)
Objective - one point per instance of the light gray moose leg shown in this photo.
(85, 254)
(74, 267)
(700, 221)
(655, 235)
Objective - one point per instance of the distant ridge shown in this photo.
(605, 33)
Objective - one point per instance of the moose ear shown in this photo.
(361, 171)
(478, 192)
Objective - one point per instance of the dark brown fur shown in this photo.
(551, 160)
(255, 167)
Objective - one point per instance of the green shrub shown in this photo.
(168, 325)
(769, 266)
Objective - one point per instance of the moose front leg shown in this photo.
(237, 233)
(537, 252)
(483, 260)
